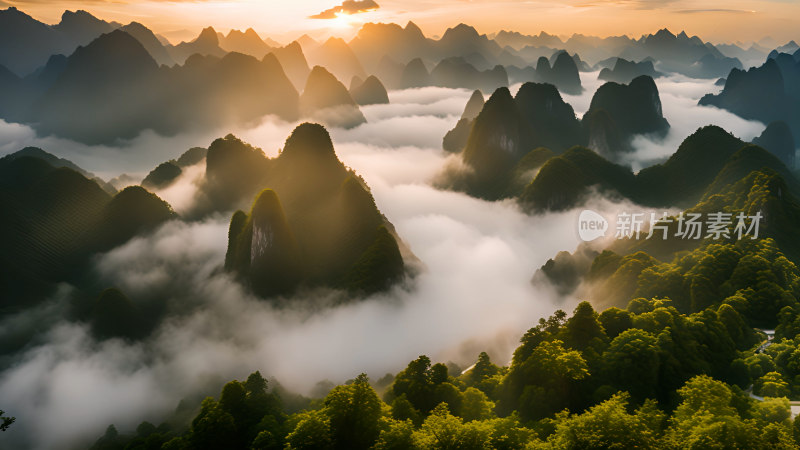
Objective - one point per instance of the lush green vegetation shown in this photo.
(642, 377)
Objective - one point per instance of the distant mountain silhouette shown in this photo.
(456, 72)
(26, 44)
(583, 66)
(370, 92)
(375, 41)
(315, 223)
(672, 53)
(355, 82)
(294, 63)
(750, 56)
(390, 72)
(98, 95)
(415, 74)
(337, 57)
(512, 137)
(206, 44)
(518, 74)
(625, 71)
(463, 40)
(579, 63)
(789, 47)
(308, 43)
(150, 42)
(710, 66)
(629, 109)
(790, 70)
(235, 89)
(682, 54)
(518, 40)
(326, 99)
(563, 74)
(81, 27)
(113, 89)
(767, 93)
(247, 42)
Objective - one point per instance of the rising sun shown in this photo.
(341, 21)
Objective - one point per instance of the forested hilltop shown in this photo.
(646, 376)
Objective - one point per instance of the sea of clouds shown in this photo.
(473, 293)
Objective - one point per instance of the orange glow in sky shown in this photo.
(713, 20)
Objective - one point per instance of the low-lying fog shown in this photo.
(474, 293)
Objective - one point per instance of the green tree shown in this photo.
(607, 425)
(544, 382)
(631, 363)
(772, 410)
(583, 329)
(475, 405)
(213, 428)
(398, 436)
(615, 321)
(772, 384)
(441, 430)
(482, 374)
(313, 432)
(424, 385)
(705, 418)
(354, 414)
(739, 373)
(507, 433)
(403, 410)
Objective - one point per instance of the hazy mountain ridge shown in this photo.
(768, 93)
(500, 137)
(59, 219)
(113, 89)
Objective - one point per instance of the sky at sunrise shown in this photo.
(714, 20)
